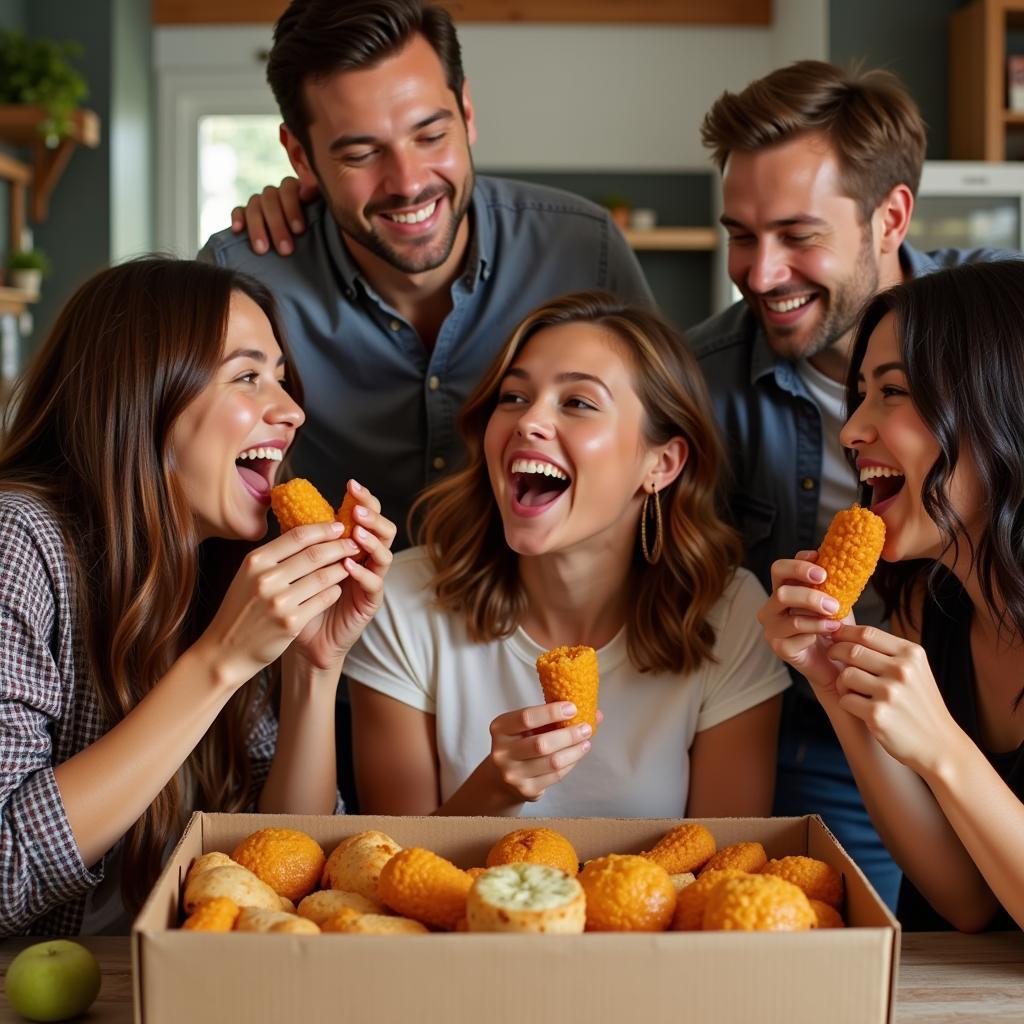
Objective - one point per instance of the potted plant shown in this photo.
(27, 268)
(38, 72)
(619, 207)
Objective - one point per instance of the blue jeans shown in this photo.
(814, 778)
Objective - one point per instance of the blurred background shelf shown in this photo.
(670, 239)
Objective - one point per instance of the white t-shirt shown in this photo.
(638, 765)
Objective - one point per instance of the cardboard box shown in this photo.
(843, 976)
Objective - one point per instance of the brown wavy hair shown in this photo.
(477, 574)
(89, 434)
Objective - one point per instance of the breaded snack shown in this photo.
(682, 879)
(355, 863)
(820, 881)
(627, 893)
(826, 916)
(297, 503)
(351, 922)
(570, 673)
(534, 898)
(849, 554)
(289, 861)
(319, 906)
(691, 901)
(233, 881)
(417, 883)
(214, 915)
(207, 861)
(345, 512)
(745, 856)
(475, 873)
(757, 903)
(255, 919)
(535, 846)
(686, 847)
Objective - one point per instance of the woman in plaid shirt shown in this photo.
(133, 639)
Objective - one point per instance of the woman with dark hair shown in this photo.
(148, 431)
(586, 515)
(930, 714)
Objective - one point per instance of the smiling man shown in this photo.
(819, 171)
(411, 271)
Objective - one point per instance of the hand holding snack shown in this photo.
(571, 673)
(849, 554)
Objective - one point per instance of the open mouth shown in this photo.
(885, 483)
(787, 308)
(256, 468)
(537, 484)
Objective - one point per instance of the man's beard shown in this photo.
(845, 302)
(432, 253)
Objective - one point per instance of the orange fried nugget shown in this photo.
(686, 847)
(535, 846)
(849, 554)
(345, 512)
(745, 856)
(418, 883)
(757, 903)
(827, 917)
(691, 901)
(571, 674)
(218, 914)
(820, 881)
(298, 503)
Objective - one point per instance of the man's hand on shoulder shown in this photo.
(275, 214)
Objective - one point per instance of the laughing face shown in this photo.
(230, 440)
(565, 448)
(798, 250)
(896, 451)
(389, 150)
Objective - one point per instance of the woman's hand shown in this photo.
(529, 754)
(275, 212)
(886, 682)
(796, 623)
(279, 589)
(328, 637)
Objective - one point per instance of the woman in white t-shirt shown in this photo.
(586, 514)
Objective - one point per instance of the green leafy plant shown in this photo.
(29, 259)
(39, 72)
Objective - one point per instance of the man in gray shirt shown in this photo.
(412, 271)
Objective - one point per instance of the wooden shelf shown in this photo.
(19, 126)
(14, 300)
(669, 239)
(1013, 117)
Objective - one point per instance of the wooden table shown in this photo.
(944, 978)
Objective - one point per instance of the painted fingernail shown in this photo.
(260, 246)
(829, 605)
(817, 574)
(568, 710)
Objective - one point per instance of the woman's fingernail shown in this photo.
(832, 625)
(818, 575)
(584, 731)
(586, 746)
(361, 533)
(260, 246)
(297, 226)
(830, 605)
(568, 710)
(362, 511)
(355, 486)
(337, 528)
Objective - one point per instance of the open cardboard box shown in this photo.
(843, 976)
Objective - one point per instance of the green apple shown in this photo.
(53, 980)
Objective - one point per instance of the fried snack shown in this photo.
(207, 861)
(535, 846)
(570, 673)
(826, 916)
(351, 922)
(684, 848)
(345, 512)
(849, 554)
(691, 901)
(233, 881)
(297, 503)
(475, 873)
(525, 897)
(745, 856)
(627, 893)
(820, 881)
(319, 906)
(355, 863)
(681, 880)
(419, 884)
(757, 903)
(289, 861)
(215, 915)
(255, 919)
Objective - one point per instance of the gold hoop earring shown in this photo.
(651, 555)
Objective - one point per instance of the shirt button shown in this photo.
(349, 294)
(439, 463)
(434, 383)
(395, 325)
(808, 483)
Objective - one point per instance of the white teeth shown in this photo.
(787, 305)
(536, 466)
(273, 454)
(414, 218)
(871, 472)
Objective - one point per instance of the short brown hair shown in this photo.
(871, 120)
(476, 575)
(316, 38)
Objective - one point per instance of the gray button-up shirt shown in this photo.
(381, 407)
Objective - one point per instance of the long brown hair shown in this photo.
(90, 435)
(477, 574)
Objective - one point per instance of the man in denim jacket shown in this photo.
(819, 172)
